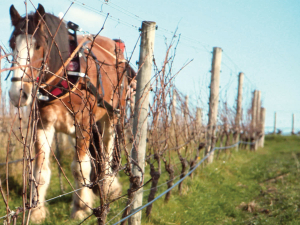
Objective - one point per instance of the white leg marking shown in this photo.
(112, 184)
(81, 170)
(42, 172)
(108, 141)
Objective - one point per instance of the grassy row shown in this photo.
(249, 188)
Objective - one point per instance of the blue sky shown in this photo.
(258, 37)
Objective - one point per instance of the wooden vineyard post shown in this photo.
(258, 106)
(258, 119)
(253, 121)
(174, 107)
(275, 115)
(186, 112)
(141, 112)
(173, 113)
(239, 110)
(213, 102)
(262, 119)
(293, 124)
(199, 120)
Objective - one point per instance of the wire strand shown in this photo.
(178, 182)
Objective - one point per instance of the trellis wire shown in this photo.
(15, 161)
(59, 196)
(178, 182)
(11, 162)
(120, 212)
(12, 212)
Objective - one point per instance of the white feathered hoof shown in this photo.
(39, 214)
(79, 214)
(80, 210)
(115, 189)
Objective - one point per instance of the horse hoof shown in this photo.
(79, 214)
(38, 215)
(116, 189)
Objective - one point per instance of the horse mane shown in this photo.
(61, 40)
(44, 36)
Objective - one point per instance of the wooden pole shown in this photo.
(174, 105)
(293, 124)
(275, 116)
(239, 110)
(199, 120)
(254, 110)
(141, 112)
(258, 107)
(213, 102)
(253, 122)
(262, 119)
(174, 109)
(186, 112)
(258, 119)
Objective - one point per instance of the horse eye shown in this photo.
(37, 47)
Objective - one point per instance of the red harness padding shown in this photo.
(58, 91)
(120, 44)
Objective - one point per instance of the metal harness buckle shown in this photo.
(42, 97)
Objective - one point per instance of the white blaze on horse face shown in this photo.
(22, 52)
(22, 56)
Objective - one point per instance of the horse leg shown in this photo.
(81, 169)
(42, 172)
(111, 182)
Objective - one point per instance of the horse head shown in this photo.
(35, 55)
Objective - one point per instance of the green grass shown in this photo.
(269, 178)
(249, 188)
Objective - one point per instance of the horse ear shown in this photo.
(40, 13)
(14, 15)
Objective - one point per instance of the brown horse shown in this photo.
(74, 105)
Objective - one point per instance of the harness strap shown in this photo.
(94, 90)
(66, 63)
(99, 78)
(100, 101)
(108, 52)
(16, 79)
(9, 72)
